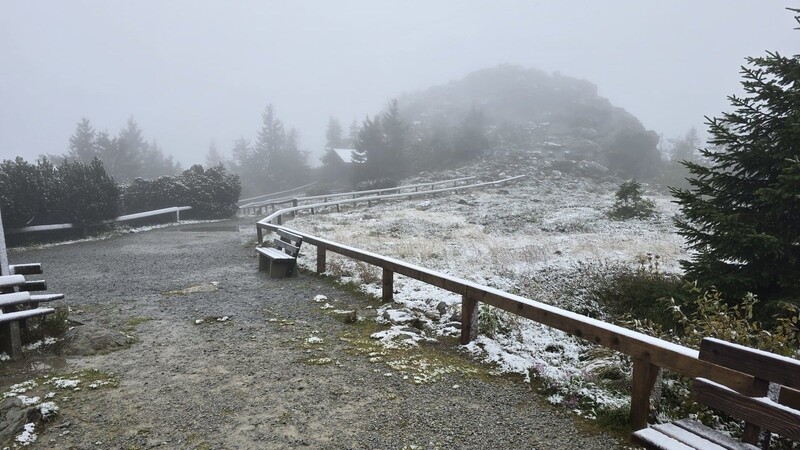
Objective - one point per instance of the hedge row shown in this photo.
(212, 193)
(84, 194)
(43, 194)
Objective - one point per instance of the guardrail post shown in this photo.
(337, 208)
(260, 235)
(388, 286)
(178, 215)
(280, 219)
(294, 205)
(469, 318)
(320, 260)
(644, 378)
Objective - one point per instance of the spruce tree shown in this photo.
(741, 215)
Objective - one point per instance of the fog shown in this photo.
(194, 72)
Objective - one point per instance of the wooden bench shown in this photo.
(755, 407)
(280, 259)
(17, 304)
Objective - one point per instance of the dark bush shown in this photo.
(44, 194)
(378, 183)
(87, 195)
(644, 293)
(630, 203)
(212, 193)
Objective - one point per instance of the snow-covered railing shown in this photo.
(278, 215)
(245, 201)
(649, 354)
(140, 215)
(272, 204)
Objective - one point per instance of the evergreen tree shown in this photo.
(82, 146)
(333, 139)
(685, 148)
(126, 162)
(288, 167)
(214, 158)
(471, 140)
(741, 216)
(395, 135)
(367, 150)
(333, 135)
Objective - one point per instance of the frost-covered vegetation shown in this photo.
(548, 238)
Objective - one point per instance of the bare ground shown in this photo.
(256, 380)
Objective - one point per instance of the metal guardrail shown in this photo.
(649, 354)
(65, 226)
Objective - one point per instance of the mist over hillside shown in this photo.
(552, 115)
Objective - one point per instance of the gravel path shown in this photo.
(257, 380)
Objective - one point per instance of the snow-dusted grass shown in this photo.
(535, 238)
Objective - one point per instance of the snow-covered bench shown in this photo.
(754, 405)
(17, 304)
(280, 259)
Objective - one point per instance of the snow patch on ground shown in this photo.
(536, 238)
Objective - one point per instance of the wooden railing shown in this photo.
(65, 226)
(272, 204)
(244, 201)
(649, 354)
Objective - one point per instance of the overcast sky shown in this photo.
(190, 72)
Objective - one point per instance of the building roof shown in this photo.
(346, 154)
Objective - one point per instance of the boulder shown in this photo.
(13, 417)
(90, 340)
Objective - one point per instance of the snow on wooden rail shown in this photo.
(649, 354)
(268, 196)
(65, 226)
(273, 203)
(277, 215)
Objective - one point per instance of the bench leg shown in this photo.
(282, 269)
(13, 344)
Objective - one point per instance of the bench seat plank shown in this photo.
(26, 314)
(273, 253)
(712, 435)
(33, 285)
(15, 298)
(687, 437)
(10, 281)
(653, 439)
(26, 269)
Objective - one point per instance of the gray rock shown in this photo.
(442, 308)
(90, 340)
(13, 417)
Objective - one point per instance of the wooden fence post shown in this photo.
(260, 235)
(178, 216)
(388, 286)
(469, 318)
(280, 219)
(320, 260)
(294, 205)
(644, 377)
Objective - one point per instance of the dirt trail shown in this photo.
(279, 373)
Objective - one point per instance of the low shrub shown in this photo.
(379, 183)
(43, 194)
(641, 293)
(630, 204)
(212, 193)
